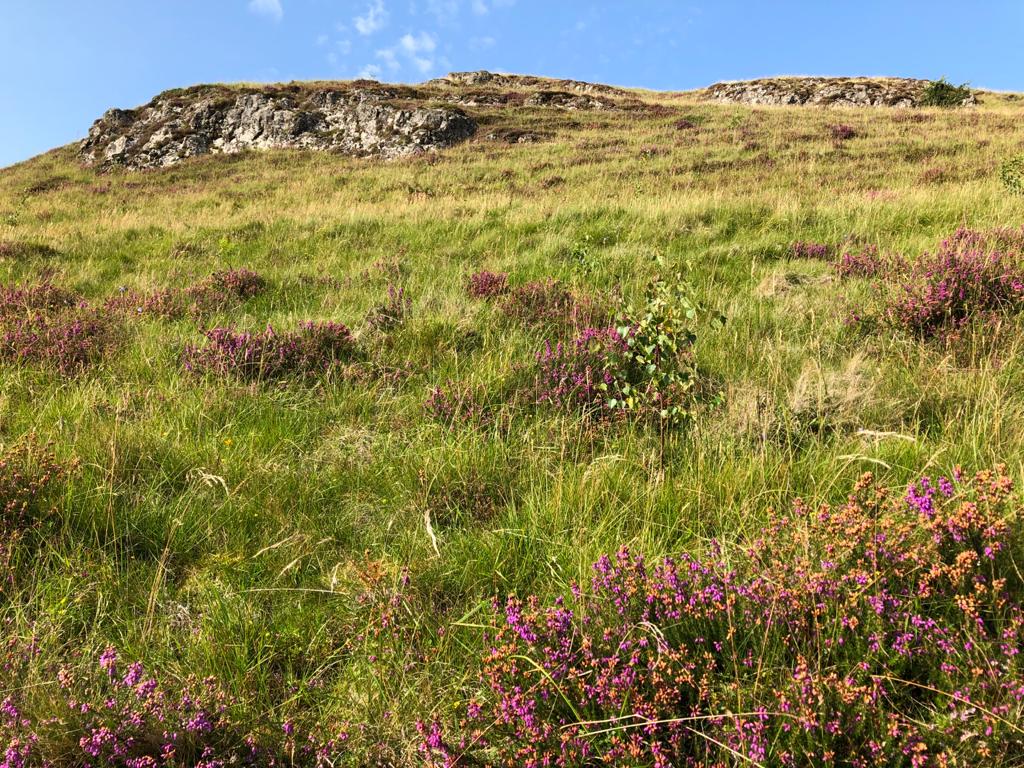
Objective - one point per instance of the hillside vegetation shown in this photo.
(309, 459)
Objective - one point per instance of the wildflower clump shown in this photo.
(392, 313)
(487, 285)
(579, 374)
(865, 262)
(455, 404)
(539, 302)
(26, 473)
(45, 324)
(841, 132)
(312, 349)
(884, 631)
(114, 712)
(816, 251)
(216, 293)
(967, 278)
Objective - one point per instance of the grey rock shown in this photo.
(354, 121)
(824, 91)
(493, 79)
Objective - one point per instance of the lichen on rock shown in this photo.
(824, 91)
(353, 120)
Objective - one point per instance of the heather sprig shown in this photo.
(216, 293)
(884, 631)
(864, 262)
(458, 404)
(815, 251)
(69, 340)
(313, 349)
(393, 312)
(487, 285)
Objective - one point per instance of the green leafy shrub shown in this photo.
(655, 373)
(1012, 174)
(942, 93)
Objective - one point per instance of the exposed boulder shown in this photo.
(352, 120)
(493, 79)
(566, 100)
(824, 91)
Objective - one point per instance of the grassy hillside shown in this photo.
(313, 556)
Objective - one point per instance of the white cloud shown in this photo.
(270, 8)
(481, 43)
(424, 42)
(480, 7)
(321, 40)
(418, 49)
(370, 72)
(376, 17)
(445, 11)
(387, 55)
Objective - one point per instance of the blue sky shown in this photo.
(65, 61)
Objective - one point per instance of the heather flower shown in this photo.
(392, 313)
(49, 325)
(44, 297)
(457, 404)
(550, 303)
(487, 285)
(842, 132)
(218, 292)
(943, 291)
(972, 276)
(816, 251)
(863, 263)
(186, 722)
(888, 632)
(315, 348)
(579, 374)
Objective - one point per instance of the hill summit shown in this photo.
(365, 118)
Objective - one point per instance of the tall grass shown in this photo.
(324, 546)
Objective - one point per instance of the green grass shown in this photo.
(214, 528)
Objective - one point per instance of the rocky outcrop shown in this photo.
(352, 120)
(493, 79)
(824, 91)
